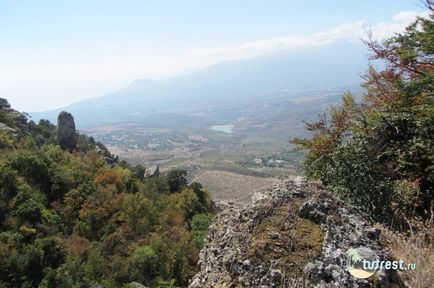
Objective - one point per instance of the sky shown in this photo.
(53, 53)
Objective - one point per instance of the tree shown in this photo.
(28, 204)
(378, 154)
(8, 182)
(33, 168)
(144, 264)
(138, 214)
(176, 179)
(203, 196)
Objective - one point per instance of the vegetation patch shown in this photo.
(6, 119)
(72, 218)
(377, 153)
(284, 236)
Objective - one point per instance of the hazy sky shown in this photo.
(53, 53)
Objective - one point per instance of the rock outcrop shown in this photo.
(13, 120)
(66, 134)
(296, 235)
(153, 171)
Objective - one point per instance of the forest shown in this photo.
(71, 218)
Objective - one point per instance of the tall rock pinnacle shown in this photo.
(66, 134)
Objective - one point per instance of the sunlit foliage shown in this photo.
(70, 219)
(378, 154)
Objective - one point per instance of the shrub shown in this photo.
(6, 141)
(176, 180)
(144, 264)
(199, 228)
(28, 204)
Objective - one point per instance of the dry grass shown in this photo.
(419, 249)
(231, 186)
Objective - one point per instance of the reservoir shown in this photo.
(223, 128)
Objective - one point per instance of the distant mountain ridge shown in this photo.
(224, 85)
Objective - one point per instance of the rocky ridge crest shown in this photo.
(295, 235)
(18, 120)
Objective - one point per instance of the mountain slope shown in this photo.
(76, 218)
(224, 85)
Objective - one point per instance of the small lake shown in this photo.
(223, 128)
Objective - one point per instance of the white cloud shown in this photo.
(353, 31)
(400, 21)
(57, 84)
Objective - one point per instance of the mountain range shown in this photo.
(223, 86)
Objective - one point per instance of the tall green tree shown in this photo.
(378, 154)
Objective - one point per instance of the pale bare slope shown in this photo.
(231, 186)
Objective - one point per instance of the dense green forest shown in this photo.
(77, 218)
(378, 154)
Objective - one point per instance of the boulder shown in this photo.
(153, 171)
(257, 197)
(297, 236)
(4, 127)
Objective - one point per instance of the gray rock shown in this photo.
(153, 171)
(225, 259)
(20, 119)
(314, 211)
(257, 197)
(4, 127)
(137, 285)
(276, 275)
(66, 134)
(373, 233)
(274, 235)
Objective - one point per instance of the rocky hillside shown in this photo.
(11, 120)
(72, 215)
(295, 235)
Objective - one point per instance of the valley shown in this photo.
(235, 116)
(214, 145)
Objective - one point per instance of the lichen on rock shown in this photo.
(297, 236)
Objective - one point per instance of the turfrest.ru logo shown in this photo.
(362, 263)
(356, 257)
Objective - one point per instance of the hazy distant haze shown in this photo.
(53, 53)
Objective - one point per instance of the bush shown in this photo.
(353, 177)
(138, 213)
(144, 264)
(6, 119)
(176, 180)
(29, 204)
(53, 251)
(33, 168)
(199, 228)
(8, 182)
(6, 141)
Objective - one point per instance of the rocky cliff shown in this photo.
(11, 120)
(296, 235)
